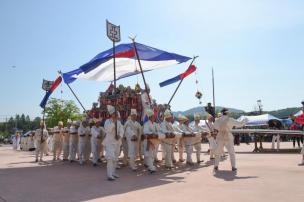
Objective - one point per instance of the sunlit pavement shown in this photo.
(260, 177)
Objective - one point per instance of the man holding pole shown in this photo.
(40, 137)
(112, 142)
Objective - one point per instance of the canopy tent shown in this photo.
(100, 68)
(259, 120)
(298, 113)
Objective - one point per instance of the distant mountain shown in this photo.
(202, 111)
(284, 113)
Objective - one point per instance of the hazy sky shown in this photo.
(255, 47)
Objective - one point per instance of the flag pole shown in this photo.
(180, 82)
(213, 92)
(115, 96)
(42, 127)
(73, 93)
(113, 33)
(140, 67)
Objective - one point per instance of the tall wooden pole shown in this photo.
(213, 92)
(181, 81)
(141, 71)
(115, 96)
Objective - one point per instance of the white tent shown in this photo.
(298, 113)
(259, 120)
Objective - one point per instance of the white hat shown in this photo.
(197, 116)
(91, 121)
(133, 112)
(41, 122)
(111, 109)
(74, 123)
(69, 121)
(60, 123)
(167, 114)
(182, 118)
(149, 113)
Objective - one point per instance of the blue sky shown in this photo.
(255, 47)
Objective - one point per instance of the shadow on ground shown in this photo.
(230, 176)
(61, 181)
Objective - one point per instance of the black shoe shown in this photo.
(94, 164)
(215, 168)
(152, 171)
(234, 169)
(36, 160)
(111, 179)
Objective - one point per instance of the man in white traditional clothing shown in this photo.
(186, 141)
(133, 132)
(170, 140)
(224, 138)
(211, 135)
(198, 130)
(152, 136)
(112, 142)
(40, 137)
(83, 132)
(57, 140)
(66, 140)
(97, 133)
(73, 140)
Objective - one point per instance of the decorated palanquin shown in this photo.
(126, 99)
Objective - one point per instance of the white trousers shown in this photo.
(57, 148)
(168, 151)
(40, 148)
(66, 150)
(112, 154)
(87, 153)
(198, 148)
(212, 146)
(229, 144)
(132, 148)
(186, 142)
(95, 146)
(275, 138)
(149, 155)
(73, 147)
(81, 149)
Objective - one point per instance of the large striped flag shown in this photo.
(100, 68)
(189, 71)
(50, 91)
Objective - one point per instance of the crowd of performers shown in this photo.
(88, 136)
(138, 137)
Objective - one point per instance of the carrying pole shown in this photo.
(181, 82)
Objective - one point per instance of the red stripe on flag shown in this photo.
(55, 84)
(126, 54)
(189, 71)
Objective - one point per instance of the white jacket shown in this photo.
(224, 125)
(37, 136)
(167, 127)
(152, 128)
(132, 128)
(109, 127)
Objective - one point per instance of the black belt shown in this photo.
(73, 133)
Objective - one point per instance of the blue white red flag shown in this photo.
(100, 68)
(48, 93)
(189, 71)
